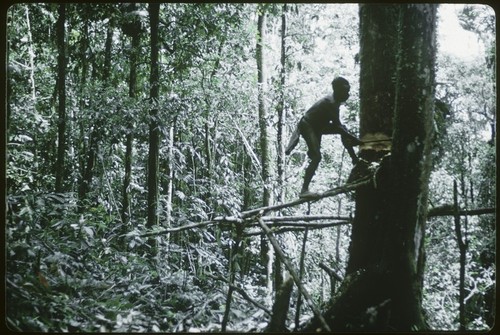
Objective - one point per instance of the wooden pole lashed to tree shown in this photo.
(334, 191)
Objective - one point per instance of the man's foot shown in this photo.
(307, 194)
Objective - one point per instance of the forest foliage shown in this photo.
(78, 259)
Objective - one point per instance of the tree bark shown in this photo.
(410, 165)
(154, 131)
(378, 38)
(378, 44)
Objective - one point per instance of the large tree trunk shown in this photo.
(378, 49)
(61, 91)
(154, 131)
(411, 154)
(382, 290)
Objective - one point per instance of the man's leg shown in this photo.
(313, 141)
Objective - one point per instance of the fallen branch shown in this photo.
(334, 191)
(296, 279)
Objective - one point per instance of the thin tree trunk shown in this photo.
(281, 110)
(129, 137)
(262, 89)
(233, 259)
(95, 135)
(293, 273)
(61, 91)
(154, 131)
(278, 275)
(82, 190)
(462, 247)
(280, 307)
(170, 176)
(31, 54)
(301, 275)
(266, 251)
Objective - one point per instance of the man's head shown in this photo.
(341, 89)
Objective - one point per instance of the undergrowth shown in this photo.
(69, 272)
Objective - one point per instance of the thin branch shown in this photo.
(177, 229)
(248, 214)
(290, 221)
(448, 210)
(303, 218)
(330, 272)
(299, 227)
(308, 224)
(284, 259)
(334, 191)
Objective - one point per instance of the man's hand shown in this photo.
(351, 140)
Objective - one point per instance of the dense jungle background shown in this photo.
(134, 132)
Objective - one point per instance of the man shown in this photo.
(323, 118)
